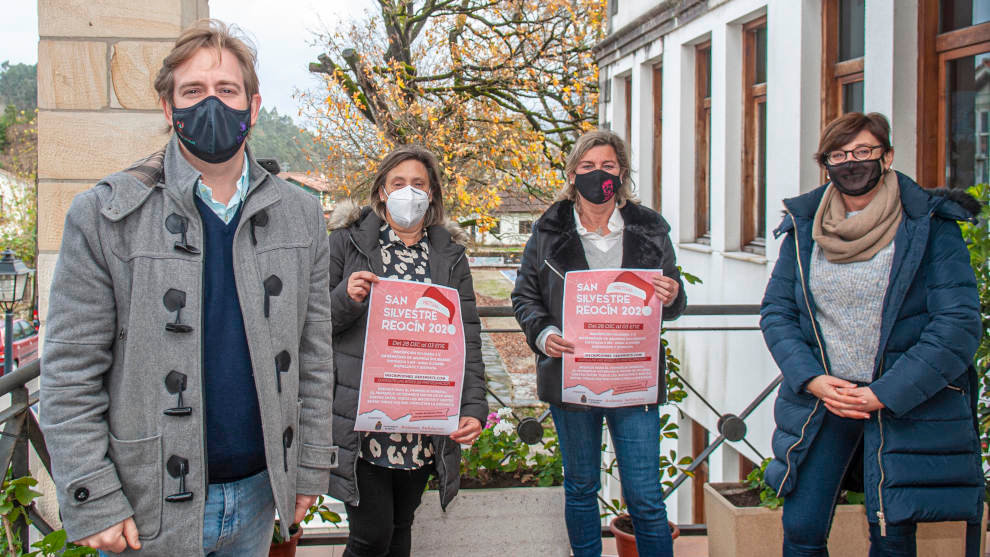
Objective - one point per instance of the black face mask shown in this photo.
(855, 178)
(211, 130)
(597, 186)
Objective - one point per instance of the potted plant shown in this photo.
(285, 546)
(621, 524)
(510, 501)
(744, 519)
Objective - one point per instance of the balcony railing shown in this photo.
(20, 425)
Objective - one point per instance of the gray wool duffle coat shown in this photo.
(107, 351)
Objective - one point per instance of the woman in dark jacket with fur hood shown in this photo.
(597, 224)
(404, 235)
(873, 317)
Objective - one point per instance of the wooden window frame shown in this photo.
(753, 96)
(943, 101)
(657, 136)
(835, 73)
(702, 144)
(699, 441)
(934, 51)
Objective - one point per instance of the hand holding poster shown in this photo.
(413, 367)
(613, 318)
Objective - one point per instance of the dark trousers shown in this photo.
(808, 510)
(381, 523)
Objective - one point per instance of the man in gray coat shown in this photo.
(186, 379)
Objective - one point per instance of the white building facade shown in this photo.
(722, 103)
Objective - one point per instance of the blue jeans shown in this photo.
(808, 510)
(635, 433)
(239, 518)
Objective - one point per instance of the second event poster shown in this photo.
(613, 318)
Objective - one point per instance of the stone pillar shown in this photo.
(97, 113)
(97, 108)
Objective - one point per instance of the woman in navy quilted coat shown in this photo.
(872, 315)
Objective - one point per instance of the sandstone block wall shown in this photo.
(98, 111)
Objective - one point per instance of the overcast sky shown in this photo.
(282, 30)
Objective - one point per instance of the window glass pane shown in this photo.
(968, 94)
(761, 171)
(957, 14)
(852, 28)
(852, 97)
(761, 55)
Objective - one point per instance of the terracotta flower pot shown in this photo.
(288, 547)
(625, 540)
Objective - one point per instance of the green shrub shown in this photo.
(977, 236)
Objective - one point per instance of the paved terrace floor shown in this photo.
(685, 546)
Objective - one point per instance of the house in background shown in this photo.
(316, 186)
(516, 215)
(723, 102)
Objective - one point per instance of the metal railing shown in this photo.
(731, 427)
(20, 425)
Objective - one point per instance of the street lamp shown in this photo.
(14, 276)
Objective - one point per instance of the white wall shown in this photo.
(890, 64)
(628, 11)
(731, 368)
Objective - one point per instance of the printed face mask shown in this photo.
(211, 130)
(855, 178)
(407, 206)
(597, 186)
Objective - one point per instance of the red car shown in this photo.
(25, 344)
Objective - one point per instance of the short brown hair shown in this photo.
(585, 143)
(208, 33)
(845, 128)
(434, 213)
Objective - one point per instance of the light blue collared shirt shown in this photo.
(225, 212)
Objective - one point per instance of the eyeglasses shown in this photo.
(860, 153)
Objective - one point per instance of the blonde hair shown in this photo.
(208, 33)
(434, 213)
(585, 143)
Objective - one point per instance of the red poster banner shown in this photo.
(413, 359)
(613, 318)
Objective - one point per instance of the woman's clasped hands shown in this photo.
(843, 398)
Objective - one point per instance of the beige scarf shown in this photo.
(861, 236)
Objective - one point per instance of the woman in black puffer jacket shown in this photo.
(404, 235)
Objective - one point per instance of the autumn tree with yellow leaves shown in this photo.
(498, 89)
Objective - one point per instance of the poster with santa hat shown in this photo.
(613, 318)
(413, 359)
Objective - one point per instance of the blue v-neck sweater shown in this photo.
(234, 440)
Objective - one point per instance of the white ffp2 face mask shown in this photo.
(407, 206)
